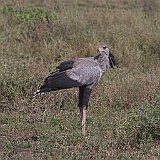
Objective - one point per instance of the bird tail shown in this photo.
(41, 91)
(56, 81)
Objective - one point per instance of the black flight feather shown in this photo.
(58, 80)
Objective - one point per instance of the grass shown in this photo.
(123, 118)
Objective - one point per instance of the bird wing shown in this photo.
(76, 73)
(85, 71)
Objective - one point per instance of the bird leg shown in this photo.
(83, 118)
(84, 94)
(84, 121)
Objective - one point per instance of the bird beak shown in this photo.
(112, 60)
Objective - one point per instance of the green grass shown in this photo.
(123, 118)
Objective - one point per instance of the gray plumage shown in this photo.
(84, 73)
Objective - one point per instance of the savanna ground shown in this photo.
(123, 119)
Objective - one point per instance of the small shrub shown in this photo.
(34, 14)
(30, 14)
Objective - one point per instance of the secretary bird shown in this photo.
(84, 73)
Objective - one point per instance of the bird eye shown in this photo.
(104, 47)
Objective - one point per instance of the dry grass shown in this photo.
(123, 117)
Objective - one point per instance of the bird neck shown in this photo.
(103, 61)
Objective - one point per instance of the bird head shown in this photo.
(104, 48)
